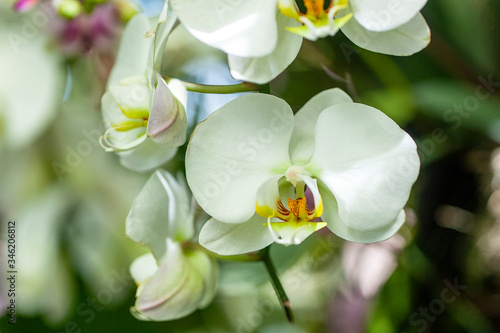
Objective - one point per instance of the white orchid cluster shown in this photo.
(264, 174)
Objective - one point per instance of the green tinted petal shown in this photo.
(161, 210)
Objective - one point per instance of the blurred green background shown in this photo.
(440, 273)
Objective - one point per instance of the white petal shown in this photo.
(161, 210)
(132, 58)
(143, 267)
(179, 90)
(234, 151)
(184, 282)
(147, 156)
(207, 270)
(367, 162)
(174, 291)
(172, 264)
(383, 15)
(132, 99)
(265, 68)
(114, 117)
(268, 196)
(312, 184)
(241, 28)
(231, 239)
(293, 233)
(167, 124)
(402, 41)
(302, 141)
(367, 234)
(111, 113)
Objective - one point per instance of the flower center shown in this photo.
(298, 209)
(292, 174)
(297, 219)
(316, 21)
(297, 222)
(315, 9)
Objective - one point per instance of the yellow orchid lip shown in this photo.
(315, 9)
(130, 125)
(296, 220)
(300, 210)
(316, 21)
(297, 211)
(134, 113)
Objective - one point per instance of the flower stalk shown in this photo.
(275, 281)
(263, 256)
(219, 89)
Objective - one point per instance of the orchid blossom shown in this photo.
(256, 35)
(390, 27)
(175, 279)
(266, 176)
(252, 33)
(145, 117)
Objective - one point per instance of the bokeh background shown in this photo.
(440, 273)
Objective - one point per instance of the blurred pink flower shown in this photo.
(24, 5)
(97, 31)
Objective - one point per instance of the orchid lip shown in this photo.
(315, 10)
(317, 22)
(108, 146)
(296, 222)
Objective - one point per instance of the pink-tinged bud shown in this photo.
(24, 5)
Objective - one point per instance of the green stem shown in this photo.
(265, 89)
(275, 281)
(219, 89)
(299, 190)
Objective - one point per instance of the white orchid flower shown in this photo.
(259, 47)
(175, 279)
(389, 27)
(252, 33)
(145, 117)
(265, 175)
